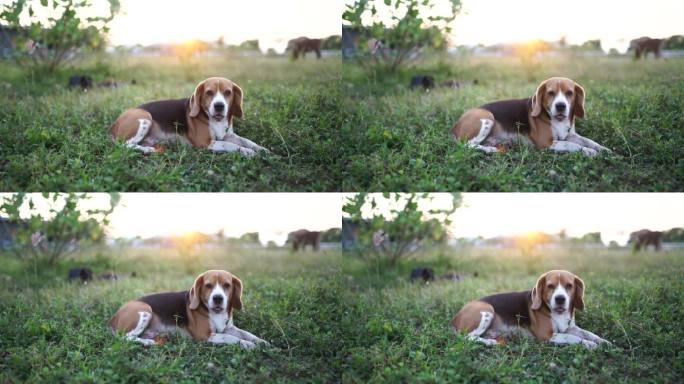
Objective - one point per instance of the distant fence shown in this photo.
(163, 52)
(556, 53)
(212, 246)
(588, 246)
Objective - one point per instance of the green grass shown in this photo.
(400, 332)
(52, 331)
(398, 140)
(332, 319)
(54, 139)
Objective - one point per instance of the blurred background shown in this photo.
(504, 28)
(163, 28)
(104, 233)
(520, 221)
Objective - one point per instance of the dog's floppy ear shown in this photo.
(538, 99)
(236, 104)
(195, 293)
(537, 292)
(578, 300)
(236, 296)
(196, 99)
(578, 108)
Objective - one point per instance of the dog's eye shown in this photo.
(551, 93)
(568, 286)
(210, 93)
(227, 92)
(207, 286)
(568, 93)
(550, 286)
(226, 285)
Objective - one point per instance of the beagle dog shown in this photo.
(547, 313)
(546, 120)
(204, 120)
(205, 312)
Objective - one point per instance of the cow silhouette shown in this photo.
(646, 237)
(644, 45)
(302, 238)
(302, 45)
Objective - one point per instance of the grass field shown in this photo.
(400, 332)
(332, 319)
(398, 140)
(54, 139)
(52, 331)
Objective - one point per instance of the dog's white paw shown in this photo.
(247, 152)
(262, 341)
(247, 344)
(147, 342)
(589, 152)
(589, 344)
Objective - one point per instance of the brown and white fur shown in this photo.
(546, 120)
(205, 312)
(547, 313)
(204, 120)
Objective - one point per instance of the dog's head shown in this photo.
(560, 97)
(219, 98)
(559, 290)
(217, 290)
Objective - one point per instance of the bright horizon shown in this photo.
(615, 215)
(272, 22)
(273, 215)
(615, 23)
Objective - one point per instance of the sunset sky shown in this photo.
(615, 22)
(273, 22)
(615, 215)
(273, 215)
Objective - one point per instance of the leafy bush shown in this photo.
(47, 43)
(45, 236)
(385, 240)
(391, 43)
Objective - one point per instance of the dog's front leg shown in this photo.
(566, 338)
(223, 338)
(584, 334)
(241, 141)
(244, 335)
(585, 142)
(568, 146)
(224, 146)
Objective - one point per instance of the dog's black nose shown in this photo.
(560, 299)
(217, 299)
(219, 107)
(561, 107)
